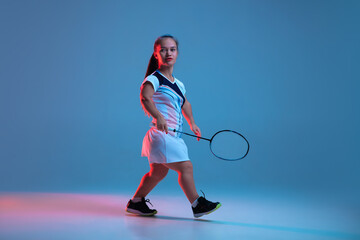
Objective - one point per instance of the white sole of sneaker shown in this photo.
(197, 215)
(133, 211)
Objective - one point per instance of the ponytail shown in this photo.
(153, 65)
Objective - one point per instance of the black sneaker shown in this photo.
(204, 207)
(140, 208)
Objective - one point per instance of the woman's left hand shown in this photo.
(196, 130)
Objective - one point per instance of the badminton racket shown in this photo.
(227, 145)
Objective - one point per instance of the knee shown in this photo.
(186, 167)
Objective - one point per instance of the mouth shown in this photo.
(168, 59)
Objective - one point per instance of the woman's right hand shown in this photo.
(161, 124)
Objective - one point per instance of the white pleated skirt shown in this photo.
(160, 147)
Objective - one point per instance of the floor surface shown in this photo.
(102, 216)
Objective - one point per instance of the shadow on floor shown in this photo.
(252, 225)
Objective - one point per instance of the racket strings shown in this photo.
(229, 145)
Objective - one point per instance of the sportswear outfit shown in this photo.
(169, 97)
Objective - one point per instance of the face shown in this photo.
(166, 53)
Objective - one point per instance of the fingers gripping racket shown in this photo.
(227, 145)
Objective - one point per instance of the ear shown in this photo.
(155, 56)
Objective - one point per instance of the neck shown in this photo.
(167, 71)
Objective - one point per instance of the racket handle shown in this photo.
(192, 135)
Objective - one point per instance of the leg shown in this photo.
(186, 178)
(157, 173)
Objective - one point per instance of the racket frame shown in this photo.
(210, 141)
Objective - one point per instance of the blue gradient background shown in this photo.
(284, 73)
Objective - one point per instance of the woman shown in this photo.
(163, 97)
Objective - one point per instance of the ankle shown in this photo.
(136, 199)
(195, 203)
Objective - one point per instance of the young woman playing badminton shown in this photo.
(163, 97)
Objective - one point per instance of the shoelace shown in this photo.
(203, 193)
(148, 200)
(207, 202)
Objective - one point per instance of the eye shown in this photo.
(173, 49)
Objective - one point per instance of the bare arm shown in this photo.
(146, 93)
(187, 112)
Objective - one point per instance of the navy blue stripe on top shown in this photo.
(164, 81)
